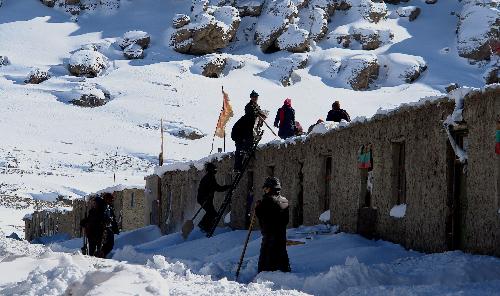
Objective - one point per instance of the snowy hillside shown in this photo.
(366, 54)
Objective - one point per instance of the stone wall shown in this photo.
(413, 164)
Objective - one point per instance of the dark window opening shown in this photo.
(270, 171)
(132, 199)
(298, 214)
(325, 197)
(457, 193)
(399, 172)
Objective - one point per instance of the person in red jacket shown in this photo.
(285, 120)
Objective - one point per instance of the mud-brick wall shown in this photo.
(48, 223)
(133, 209)
(482, 220)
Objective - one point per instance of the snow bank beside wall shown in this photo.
(302, 166)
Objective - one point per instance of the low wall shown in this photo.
(449, 205)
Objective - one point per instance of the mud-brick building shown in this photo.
(434, 160)
(130, 210)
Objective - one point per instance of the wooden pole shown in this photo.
(246, 244)
(160, 158)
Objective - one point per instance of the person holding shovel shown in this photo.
(272, 212)
(206, 190)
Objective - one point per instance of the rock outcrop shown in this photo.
(133, 51)
(315, 21)
(216, 65)
(275, 18)
(4, 61)
(249, 7)
(293, 39)
(283, 69)
(89, 96)
(88, 63)
(411, 12)
(36, 76)
(478, 30)
(139, 38)
(211, 28)
(360, 71)
(369, 38)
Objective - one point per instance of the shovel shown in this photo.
(188, 226)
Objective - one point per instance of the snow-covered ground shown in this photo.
(326, 264)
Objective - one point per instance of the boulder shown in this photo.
(249, 7)
(431, 1)
(89, 97)
(180, 20)
(451, 87)
(293, 39)
(49, 3)
(4, 61)
(87, 63)
(372, 11)
(133, 51)
(370, 38)
(275, 18)
(189, 134)
(403, 68)
(411, 12)
(478, 30)
(315, 21)
(413, 72)
(89, 100)
(492, 75)
(216, 65)
(36, 76)
(360, 71)
(209, 30)
(72, 2)
(140, 38)
(283, 69)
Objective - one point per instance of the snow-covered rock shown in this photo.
(492, 74)
(282, 69)
(4, 61)
(87, 63)
(36, 76)
(211, 28)
(140, 38)
(327, 68)
(276, 16)
(360, 71)
(405, 68)
(88, 97)
(180, 20)
(370, 38)
(216, 65)
(294, 39)
(411, 12)
(315, 21)
(49, 3)
(478, 29)
(133, 51)
(249, 7)
(371, 11)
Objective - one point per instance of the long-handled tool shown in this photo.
(188, 226)
(252, 220)
(267, 125)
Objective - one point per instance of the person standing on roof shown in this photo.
(272, 212)
(206, 190)
(337, 114)
(285, 120)
(243, 130)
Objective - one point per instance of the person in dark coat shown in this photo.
(206, 190)
(285, 120)
(243, 130)
(100, 226)
(337, 114)
(272, 212)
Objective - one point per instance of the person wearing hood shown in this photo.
(285, 120)
(272, 212)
